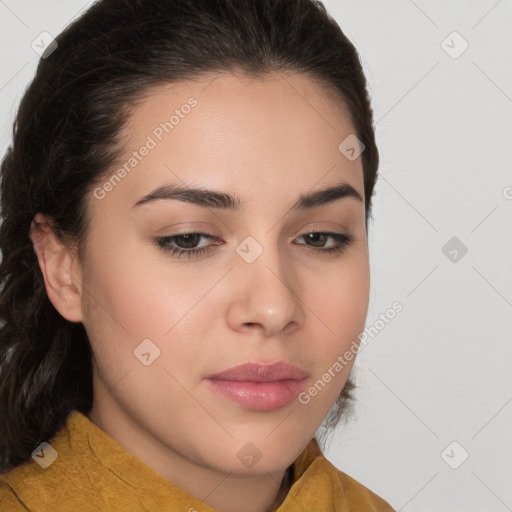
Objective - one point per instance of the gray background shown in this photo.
(440, 371)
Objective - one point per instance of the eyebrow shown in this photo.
(216, 199)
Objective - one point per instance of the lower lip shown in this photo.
(259, 396)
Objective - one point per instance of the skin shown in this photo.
(266, 141)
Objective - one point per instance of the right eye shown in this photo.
(171, 244)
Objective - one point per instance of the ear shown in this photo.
(60, 269)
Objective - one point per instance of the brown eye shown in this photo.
(184, 244)
(317, 239)
(187, 241)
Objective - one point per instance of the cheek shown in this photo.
(133, 296)
(136, 292)
(341, 296)
(340, 301)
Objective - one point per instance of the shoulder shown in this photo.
(22, 488)
(30, 488)
(320, 484)
(355, 495)
(54, 477)
(9, 500)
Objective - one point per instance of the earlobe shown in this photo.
(61, 274)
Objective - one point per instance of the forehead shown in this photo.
(228, 97)
(232, 132)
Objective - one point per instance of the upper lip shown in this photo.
(260, 372)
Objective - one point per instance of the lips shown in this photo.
(260, 372)
(258, 386)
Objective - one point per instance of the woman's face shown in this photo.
(258, 287)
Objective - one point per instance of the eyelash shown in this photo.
(344, 240)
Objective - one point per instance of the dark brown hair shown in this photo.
(66, 138)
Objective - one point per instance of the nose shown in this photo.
(266, 295)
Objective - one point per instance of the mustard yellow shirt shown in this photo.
(92, 472)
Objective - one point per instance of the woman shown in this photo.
(185, 263)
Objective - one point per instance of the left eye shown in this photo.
(171, 244)
(342, 241)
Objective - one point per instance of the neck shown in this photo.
(284, 489)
